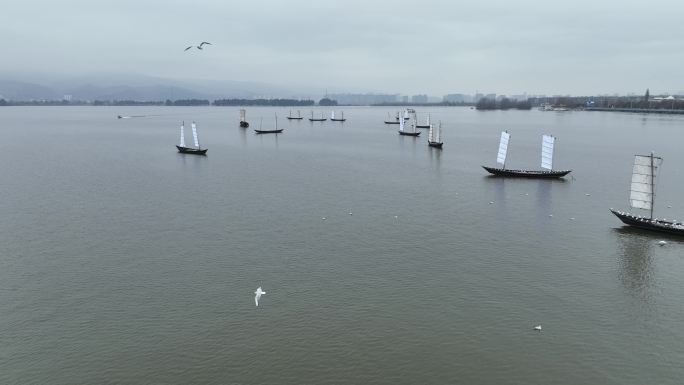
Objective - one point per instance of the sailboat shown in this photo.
(642, 196)
(426, 125)
(332, 117)
(276, 130)
(298, 117)
(189, 150)
(321, 119)
(435, 136)
(390, 120)
(406, 114)
(548, 142)
(243, 121)
(413, 131)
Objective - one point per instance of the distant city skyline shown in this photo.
(435, 48)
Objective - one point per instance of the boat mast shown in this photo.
(652, 186)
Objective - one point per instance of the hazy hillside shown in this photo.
(140, 87)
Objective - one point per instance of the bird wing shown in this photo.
(204, 42)
(187, 48)
(256, 300)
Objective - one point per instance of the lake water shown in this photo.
(122, 261)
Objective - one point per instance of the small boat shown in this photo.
(276, 130)
(190, 150)
(321, 119)
(642, 196)
(332, 117)
(413, 131)
(390, 121)
(243, 121)
(426, 125)
(298, 117)
(435, 136)
(548, 142)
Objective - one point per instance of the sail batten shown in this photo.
(401, 124)
(642, 188)
(548, 142)
(503, 148)
(194, 135)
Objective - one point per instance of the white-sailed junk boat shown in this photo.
(547, 171)
(642, 196)
(182, 148)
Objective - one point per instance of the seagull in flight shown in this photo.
(258, 293)
(198, 47)
(537, 328)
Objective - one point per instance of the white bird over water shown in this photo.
(537, 328)
(258, 293)
(662, 243)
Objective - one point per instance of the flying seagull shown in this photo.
(198, 47)
(258, 293)
(537, 328)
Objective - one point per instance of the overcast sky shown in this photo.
(436, 47)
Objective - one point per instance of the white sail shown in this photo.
(547, 151)
(642, 189)
(503, 148)
(182, 139)
(242, 115)
(401, 124)
(194, 135)
(406, 114)
(431, 134)
(332, 115)
(438, 135)
(428, 120)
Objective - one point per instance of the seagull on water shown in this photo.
(662, 243)
(537, 328)
(258, 293)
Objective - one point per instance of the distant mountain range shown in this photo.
(141, 88)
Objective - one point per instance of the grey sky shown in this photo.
(409, 47)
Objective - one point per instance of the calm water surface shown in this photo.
(122, 261)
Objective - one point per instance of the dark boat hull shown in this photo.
(194, 151)
(291, 118)
(409, 133)
(244, 124)
(338, 120)
(390, 122)
(422, 126)
(278, 131)
(317, 120)
(659, 225)
(527, 173)
(435, 144)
